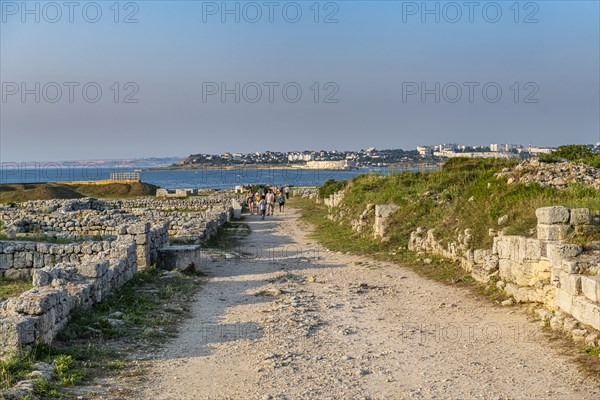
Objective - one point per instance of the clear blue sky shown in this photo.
(371, 57)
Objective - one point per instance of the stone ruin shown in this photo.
(563, 278)
(557, 175)
(103, 243)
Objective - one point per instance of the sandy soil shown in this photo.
(291, 321)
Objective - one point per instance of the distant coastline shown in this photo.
(189, 167)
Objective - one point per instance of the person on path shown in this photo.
(281, 202)
(286, 190)
(263, 206)
(270, 198)
(250, 201)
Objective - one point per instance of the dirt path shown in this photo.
(296, 322)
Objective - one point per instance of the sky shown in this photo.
(108, 80)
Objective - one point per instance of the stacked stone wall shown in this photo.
(39, 314)
(19, 259)
(562, 277)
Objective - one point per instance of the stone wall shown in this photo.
(37, 315)
(73, 225)
(176, 192)
(148, 239)
(19, 259)
(82, 273)
(563, 278)
(310, 193)
(335, 199)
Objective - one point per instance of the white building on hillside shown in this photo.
(505, 147)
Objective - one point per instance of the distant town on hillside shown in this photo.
(371, 157)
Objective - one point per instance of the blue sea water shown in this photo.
(176, 179)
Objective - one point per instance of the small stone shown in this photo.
(591, 339)
(503, 220)
(508, 302)
(115, 322)
(117, 315)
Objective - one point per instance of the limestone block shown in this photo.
(49, 259)
(506, 269)
(529, 272)
(237, 209)
(138, 228)
(36, 301)
(570, 265)
(41, 278)
(93, 269)
(533, 249)
(590, 286)
(141, 238)
(571, 283)
(552, 232)
(16, 332)
(479, 255)
(6, 261)
(38, 260)
(586, 311)
(581, 216)
(19, 260)
(558, 252)
(552, 215)
(564, 300)
(183, 258)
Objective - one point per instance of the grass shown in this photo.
(229, 236)
(140, 301)
(591, 350)
(343, 239)
(463, 194)
(117, 190)
(13, 288)
(19, 192)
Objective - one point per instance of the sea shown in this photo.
(200, 178)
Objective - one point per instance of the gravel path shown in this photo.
(296, 322)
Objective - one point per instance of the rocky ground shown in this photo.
(289, 320)
(557, 175)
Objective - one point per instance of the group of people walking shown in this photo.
(263, 203)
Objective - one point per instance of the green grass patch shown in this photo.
(463, 194)
(15, 369)
(578, 153)
(330, 187)
(229, 236)
(591, 350)
(13, 288)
